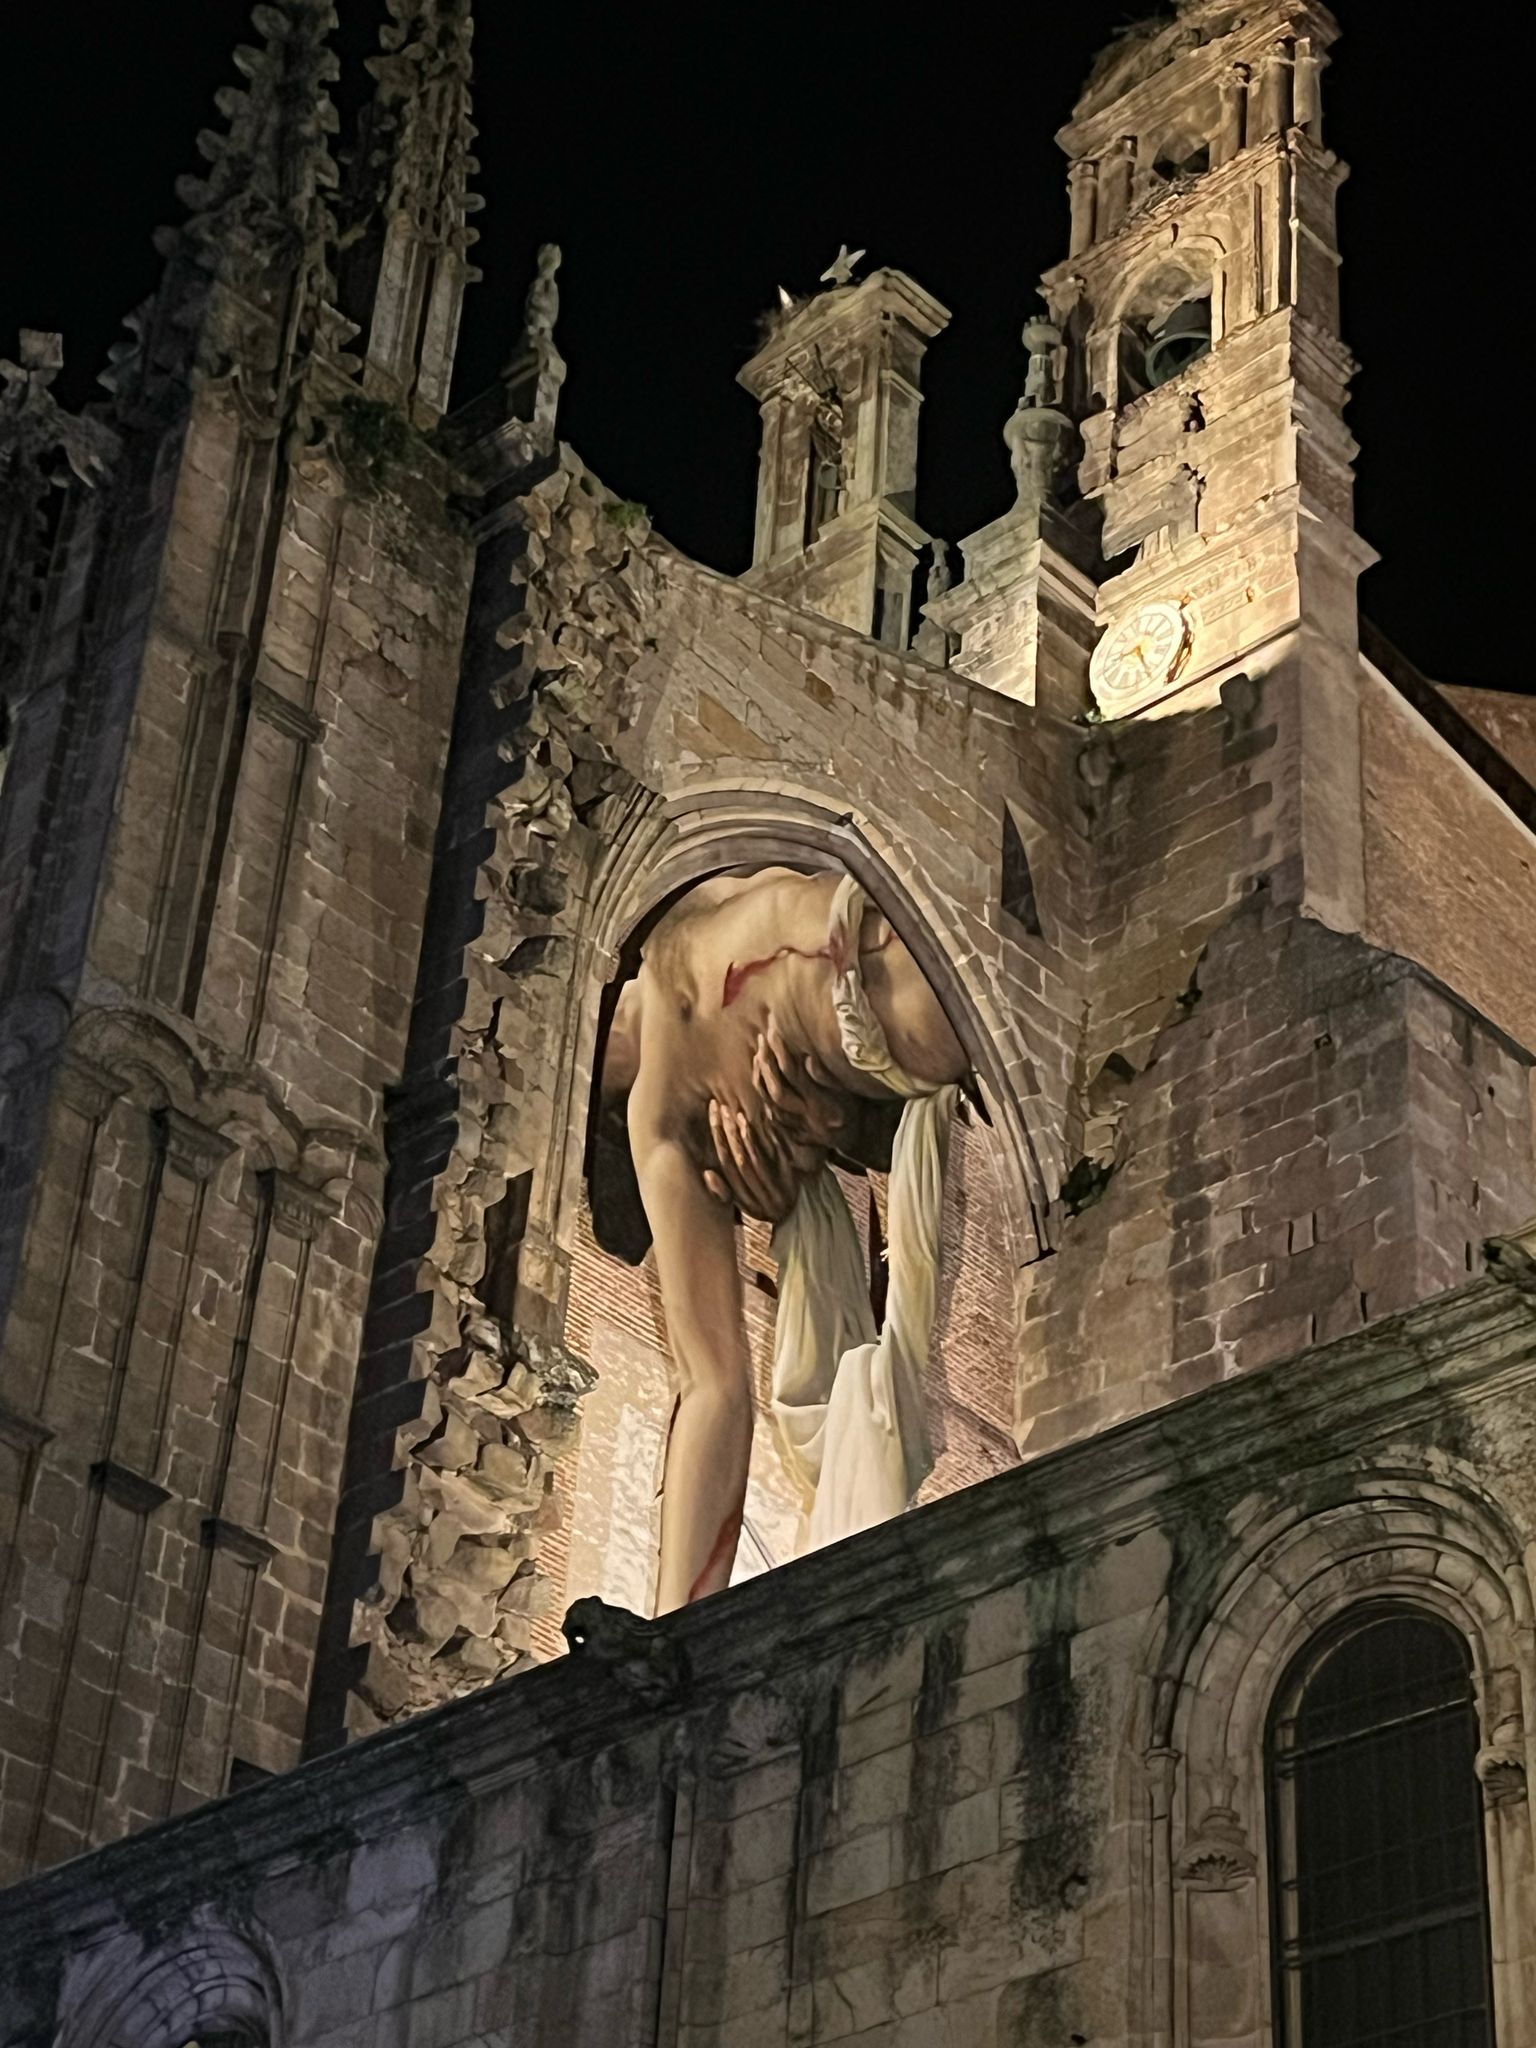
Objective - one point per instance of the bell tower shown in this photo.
(1203, 380)
(1200, 305)
(837, 381)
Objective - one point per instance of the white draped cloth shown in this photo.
(848, 1400)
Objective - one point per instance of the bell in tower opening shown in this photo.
(1181, 338)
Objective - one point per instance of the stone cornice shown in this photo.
(1317, 1411)
(867, 657)
(240, 1542)
(834, 317)
(24, 1432)
(1154, 94)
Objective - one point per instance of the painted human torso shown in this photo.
(739, 951)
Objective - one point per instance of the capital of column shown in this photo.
(192, 1148)
(298, 1209)
(88, 1089)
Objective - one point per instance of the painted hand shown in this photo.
(805, 1112)
(755, 1173)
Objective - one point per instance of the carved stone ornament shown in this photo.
(298, 1209)
(1500, 1767)
(639, 1654)
(191, 1147)
(1216, 1858)
(563, 1376)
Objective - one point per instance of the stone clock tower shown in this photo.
(1186, 398)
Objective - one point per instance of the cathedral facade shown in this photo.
(355, 748)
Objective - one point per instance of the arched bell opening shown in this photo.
(1167, 322)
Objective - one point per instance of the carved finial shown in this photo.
(840, 270)
(33, 425)
(1038, 433)
(939, 572)
(34, 431)
(271, 171)
(1042, 338)
(408, 205)
(933, 641)
(535, 371)
(541, 309)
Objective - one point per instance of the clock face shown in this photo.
(1138, 658)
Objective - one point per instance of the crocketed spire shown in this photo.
(406, 233)
(261, 217)
(271, 172)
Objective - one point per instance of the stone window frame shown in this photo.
(1431, 1540)
(1195, 140)
(211, 1981)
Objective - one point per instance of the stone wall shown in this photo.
(990, 1775)
(203, 1208)
(1506, 721)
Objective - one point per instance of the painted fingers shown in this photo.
(753, 1173)
(802, 1106)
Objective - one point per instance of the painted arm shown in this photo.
(710, 1444)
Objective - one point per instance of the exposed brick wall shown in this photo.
(1450, 875)
(1323, 1136)
(1506, 721)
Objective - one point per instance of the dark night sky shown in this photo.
(690, 159)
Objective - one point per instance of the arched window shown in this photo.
(1181, 157)
(1379, 1890)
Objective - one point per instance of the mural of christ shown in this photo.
(771, 1014)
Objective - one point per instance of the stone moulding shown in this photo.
(1217, 1857)
(458, 1588)
(128, 1488)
